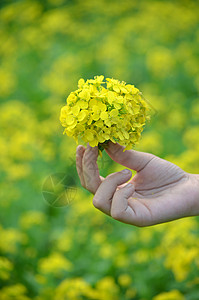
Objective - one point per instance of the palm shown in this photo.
(157, 177)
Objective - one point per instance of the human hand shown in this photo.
(159, 192)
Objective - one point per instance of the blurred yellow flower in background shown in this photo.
(124, 280)
(55, 263)
(5, 268)
(32, 218)
(10, 239)
(171, 295)
(16, 292)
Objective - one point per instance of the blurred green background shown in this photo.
(76, 252)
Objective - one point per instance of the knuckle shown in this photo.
(119, 193)
(87, 180)
(117, 215)
(88, 159)
(96, 203)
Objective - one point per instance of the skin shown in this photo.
(159, 192)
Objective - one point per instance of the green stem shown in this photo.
(101, 146)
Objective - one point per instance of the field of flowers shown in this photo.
(75, 252)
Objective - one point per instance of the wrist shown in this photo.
(197, 198)
(194, 194)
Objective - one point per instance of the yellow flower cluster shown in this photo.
(16, 291)
(97, 114)
(55, 263)
(5, 268)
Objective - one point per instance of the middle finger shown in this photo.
(92, 179)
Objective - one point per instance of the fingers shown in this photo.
(103, 197)
(131, 159)
(87, 168)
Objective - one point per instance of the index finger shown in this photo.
(132, 159)
(103, 197)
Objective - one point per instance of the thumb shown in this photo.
(131, 159)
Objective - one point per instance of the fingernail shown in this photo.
(126, 171)
(129, 185)
(79, 148)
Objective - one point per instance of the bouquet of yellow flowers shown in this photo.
(97, 113)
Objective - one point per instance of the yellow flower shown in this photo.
(91, 136)
(97, 114)
(11, 238)
(97, 81)
(98, 109)
(75, 288)
(81, 83)
(55, 263)
(174, 294)
(32, 218)
(5, 268)
(85, 95)
(71, 98)
(124, 280)
(16, 291)
(108, 288)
